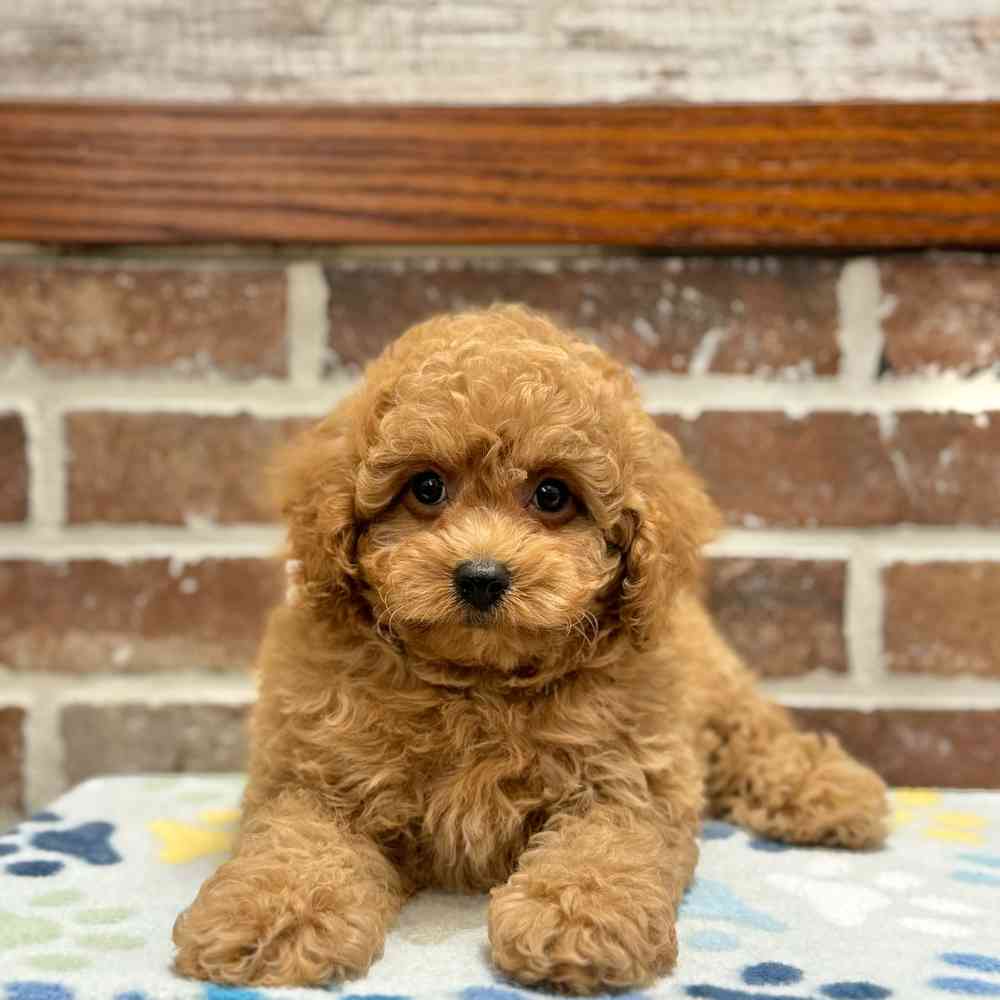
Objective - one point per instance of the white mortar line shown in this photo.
(44, 775)
(306, 328)
(903, 543)
(792, 543)
(124, 544)
(688, 397)
(265, 398)
(859, 332)
(51, 505)
(937, 694)
(662, 393)
(864, 602)
(156, 690)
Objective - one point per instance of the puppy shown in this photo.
(498, 676)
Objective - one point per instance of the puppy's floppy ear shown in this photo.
(314, 480)
(668, 518)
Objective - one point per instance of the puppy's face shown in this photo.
(507, 497)
(492, 555)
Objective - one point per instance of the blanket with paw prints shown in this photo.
(89, 890)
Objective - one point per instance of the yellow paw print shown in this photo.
(912, 805)
(184, 842)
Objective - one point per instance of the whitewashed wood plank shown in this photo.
(504, 52)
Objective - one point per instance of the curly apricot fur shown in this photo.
(559, 750)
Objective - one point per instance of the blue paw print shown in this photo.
(34, 869)
(376, 996)
(715, 829)
(975, 878)
(771, 974)
(766, 844)
(987, 860)
(712, 900)
(712, 940)
(12, 848)
(978, 877)
(859, 990)
(89, 842)
(29, 990)
(780, 975)
(969, 985)
(488, 993)
(214, 992)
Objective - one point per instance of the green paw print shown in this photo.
(88, 929)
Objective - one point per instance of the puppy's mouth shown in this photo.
(480, 619)
(466, 618)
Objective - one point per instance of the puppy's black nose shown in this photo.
(481, 582)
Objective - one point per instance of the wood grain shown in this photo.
(726, 177)
(516, 52)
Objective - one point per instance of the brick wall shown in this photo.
(845, 412)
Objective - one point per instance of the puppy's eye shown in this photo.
(428, 488)
(551, 496)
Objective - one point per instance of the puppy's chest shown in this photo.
(454, 786)
(490, 783)
(476, 757)
(459, 787)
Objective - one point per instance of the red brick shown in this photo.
(170, 468)
(833, 469)
(786, 616)
(91, 616)
(767, 469)
(948, 749)
(942, 618)
(762, 316)
(135, 739)
(127, 317)
(946, 313)
(14, 462)
(11, 761)
(949, 466)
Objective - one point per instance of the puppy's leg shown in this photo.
(761, 771)
(302, 902)
(593, 902)
(803, 788)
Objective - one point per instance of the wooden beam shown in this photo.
(705, 177)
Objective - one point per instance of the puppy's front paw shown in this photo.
(252, 928)
(582, 934)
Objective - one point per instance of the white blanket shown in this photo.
(90, 888)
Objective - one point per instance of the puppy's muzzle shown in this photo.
(481, 583)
